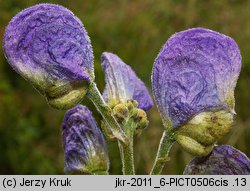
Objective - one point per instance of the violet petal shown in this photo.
(224, 160)
(122, 82)
(195, 71)
(49, 46)
(84, 145)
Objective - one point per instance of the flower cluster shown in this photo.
(193, 79)
(126, 94)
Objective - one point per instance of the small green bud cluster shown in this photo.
(127, 110)
(140, 117)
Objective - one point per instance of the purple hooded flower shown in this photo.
(195, 71)
(49, 46)
(122, 82)
(83, 142)
(224, 160)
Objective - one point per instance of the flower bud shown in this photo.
(223, 160)
(132, 104)
(83, 142)
(121, 112)
(194, 77)
(140, 117)
(122, 83)
(128, 113)
(49, 46)
(143, 123)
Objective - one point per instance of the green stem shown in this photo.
(127, 150)
(127, 157)
(94, 95)
(162, 157)
(125, 138)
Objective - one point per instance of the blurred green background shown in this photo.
(30, 131)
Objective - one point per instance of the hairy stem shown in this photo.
(127, 150)
(162, 157)
(112, 126)
(125, 139)
(127, 157)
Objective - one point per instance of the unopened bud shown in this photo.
(132, 104)
(120, 112)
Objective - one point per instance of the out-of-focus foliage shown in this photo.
(30, 131)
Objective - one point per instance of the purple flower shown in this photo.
(83, 142)
(195, 71)
(49, 46)
(224, 160)
(122, 82)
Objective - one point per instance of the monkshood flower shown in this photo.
(126, 94)
(122, 83)
(83, 142)
(224, 160)
(194, 77)
(49, 46)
